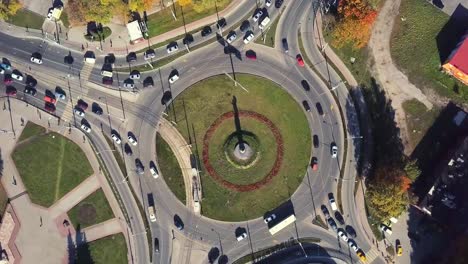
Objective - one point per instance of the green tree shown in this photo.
(9, 8)
(412, 170)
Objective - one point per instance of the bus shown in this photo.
(282, 224)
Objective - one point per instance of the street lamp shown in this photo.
(338, 84)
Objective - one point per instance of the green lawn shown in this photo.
(414, 49)
(163, 21)
(30, 130)
(111, 249)
(419, 119)
(92, 210)
(207, 100)
(25, 18)
(170, 169)
(269, 35)
(50, 166)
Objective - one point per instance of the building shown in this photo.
(134, 31)
(457, 62)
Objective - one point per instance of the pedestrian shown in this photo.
(82, 47)
(84, 139)
(40, 219)
(110, 40)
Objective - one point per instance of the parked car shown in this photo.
(332, 202)
(7, 79)
(350, 231)
(149, 54)
(135, 75)
(172, 47)
(353, 245)
(241, 236)
(221, 23)
(231, 37)
(332, 224)
(244, 26)
(132, 140)
(334, 150)
(339, 218)
(148, 82)
(178, 223)
(269, 218)
(96, 108)
(10, 91)
(325, 211)
(257, 15)
(342, 235)
(206, 31)
(300, 61)
(131, 57)
(116, 138)
(107, 80)
(188, 39)
(86, 128)
(248, 37)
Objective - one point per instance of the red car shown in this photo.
(300, 61)
(314, 163)
(251, 54)
(7, 80)
(49, 99)
(49, 107)
(11, 91)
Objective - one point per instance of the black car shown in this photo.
(206, 31)
(187, 39)
(306, 106)
(128, 149)
(285, 45)
(245, 26)
(305, 85)
(131, 57)
(339, 218)
(278, 3)
(178, 223)
(139, 166)
(148, 82)
(221, 23)
(325, 211)
(332, 224)
(29, 90)
(156, 245)
(30, 81)
(315, 139)
(351, 232)
(110, 59)
(95, 108)
(319, 108)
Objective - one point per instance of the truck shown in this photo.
(282, 224)
(264, 22)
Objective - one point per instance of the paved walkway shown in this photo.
(392, 80)
(107, 228)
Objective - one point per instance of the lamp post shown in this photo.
(120, 93)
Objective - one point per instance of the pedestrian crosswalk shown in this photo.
(86, 72)
(67, 115)
(372, 254)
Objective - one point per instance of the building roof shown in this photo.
(459, 58)
(134, 31)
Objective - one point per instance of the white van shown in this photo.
(264, 22)
(106, 74)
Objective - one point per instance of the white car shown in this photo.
(86, 128)
(268, 3)
(116, 139)
(331, 199)
(248, 37)
(2, 71)
(257, 16)
(172, 48)
(242, 236)
(17, 76)
(129, 85)
(343, 235)
(334, 150)
(79, 112)
(152, 213)
(174, 78)
(135, 76)
(154, 172)
(132, 140)
(353, 245)
(386, 229)
(269, 218)
(61, 96)
(231, 37)
(36, 60)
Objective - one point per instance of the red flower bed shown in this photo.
(279, 152)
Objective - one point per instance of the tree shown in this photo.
(140, 5)
(76, 12)
(9, 8)
(412, 170)
(185, 2)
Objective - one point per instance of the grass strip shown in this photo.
(27, 19)
(79, 215)
(110, 249)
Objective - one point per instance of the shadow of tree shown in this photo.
(450, 35)
(78, 250)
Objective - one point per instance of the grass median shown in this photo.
(111, 249)
(27, 19)
(94, 209)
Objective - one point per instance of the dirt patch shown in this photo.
(86, 214)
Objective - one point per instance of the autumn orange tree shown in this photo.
(355, 19)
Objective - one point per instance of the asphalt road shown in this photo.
(144, 114)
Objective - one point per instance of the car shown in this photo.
(116, 138)
(244, 26)
(156, 245)
(172, 47)
(86, 128)
(96, 108)
(278, 3)
(284, 41)
(30, 81)
(49, 107)
(82, 104)
(132, 140)
(300, 61)
(334, 150)
(332, 224)
(350, 231)
(268, 3)
(206, 31)
(305, 85)
(221, 23)
(314, 163)
(174, 78)
(361, 256)
(79, 112)
(36, 60)
(248, 37)
(6, 67)
(152, 213)
(131, 57)
(270, 218)
(188, 39)
(135, 75)
(325, 211)
(257, 15)
(48, 98)
(178, 223)
(2, 71)
(149, 54)
(306, 106)
(386, 229)
(17, 76)
(315, 140)
(139, 167)
(60, 96)
(342, 235)
(107, 80)
(109, 59)
(10, 91)
(339, 218)
(353, 245)
(153, 170)
(129, 84)
(319, 108)
(241, 236)
(148, 82)
(30, 90)
(128, 149)
(399, 248)
(332, 202)
(231, 37)
(251, 55)
(7, 79)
